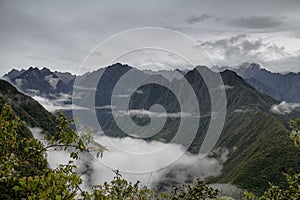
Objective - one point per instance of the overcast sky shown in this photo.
(60, 34)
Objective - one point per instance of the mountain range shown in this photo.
(257, 138)
(283, 87)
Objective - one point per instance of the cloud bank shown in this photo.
(59, 103)
(284, 108)
(122, 156)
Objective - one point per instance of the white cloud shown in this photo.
(242, 47)
(225, 87)
(146, 113)
(52, 81)
(53, 105)
(19, 82)
(284, 108)
(104, 107)
(134, 155)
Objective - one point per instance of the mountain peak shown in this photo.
(252, 65)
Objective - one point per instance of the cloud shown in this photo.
(135, 157)
(241, 47)
(145, 113)
(198, 19)
(59, 103)
(122, 95)
(29, 30)
(105, 107)
(52, 81)
(225, 87)
(258, 22)
(228, 190)
(242, 110)
(284, 64)
(19, 82)
(155, 59)
(33, 92)
(284, 108)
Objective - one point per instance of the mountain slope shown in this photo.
(259, 144)
(257, 139)
(41, 82)
(29, 110)
(283, 87)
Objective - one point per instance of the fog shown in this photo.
(284, 108)
(57, 103)
(149, 162)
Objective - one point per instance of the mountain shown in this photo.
(168, 74)
(29, 110)
(257, 139)
(41, 82)
(283, 87)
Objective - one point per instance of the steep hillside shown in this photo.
(259, 144)
(29, 110)
(283, 87)
(41, 82)
(257, 139)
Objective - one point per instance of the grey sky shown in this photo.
(60, 34)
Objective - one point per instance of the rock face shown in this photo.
(41, 81)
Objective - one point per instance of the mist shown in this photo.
(284, 108)
(152, 163)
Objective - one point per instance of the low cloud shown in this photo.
(284, 108)
(19, 82)
(135, 158)
(52, 81)
(228, 190)
(146, 113)
(61, 102)
(225, 87)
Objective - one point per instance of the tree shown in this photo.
(25, 175)
(23, 164)
(295, 132)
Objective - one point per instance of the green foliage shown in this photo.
(263, 151)
(66, 138)
(24, 173)
(19, 157)
(295, 133)
(292, 190)
(120, 188)
(60, 183)
(29, 110)
(199, 190)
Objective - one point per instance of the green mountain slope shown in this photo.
(260, 151)
(29, 110)
(258, 140)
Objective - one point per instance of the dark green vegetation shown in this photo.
(26, 176)
(18, 181)
(258, 142)
(29, 110)
(260, 149)
(258, 157)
